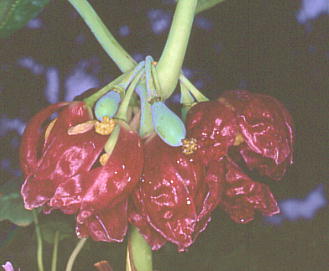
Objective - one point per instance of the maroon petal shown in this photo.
(265, 124)
(107, 225)
(242, 196)
(213, 182)
(36, 193)
(168, 187)
(65, 155)
(265, 166)
(138, 218)
(32, 137)
(104, 185)
(215, 128)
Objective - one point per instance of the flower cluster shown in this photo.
(107, 175)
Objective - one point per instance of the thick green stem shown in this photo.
(121, 58)
(39, 241)
(75, 253)
(55, 251)
(139, 253)
(171, 60)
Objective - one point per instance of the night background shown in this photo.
(275, 47)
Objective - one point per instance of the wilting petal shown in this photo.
(242, 196)
(214, 127)
(107, 225)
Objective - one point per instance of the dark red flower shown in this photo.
(214, 126)
(267, 129)
(173, 202)
(67, 168)
(258, 125)
(240, 196)
(48, 160)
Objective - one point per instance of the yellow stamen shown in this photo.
(81, 127)
(238, 140)
(189, 145)
(105, 127)
(104, 158)
(49, 128)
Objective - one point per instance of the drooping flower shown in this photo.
(49, 156)
(100, 195)
(257, 125)
(68, 166)
(173, 201)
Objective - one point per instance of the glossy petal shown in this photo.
(169, 191)
(62, 156)
(214, 127)
(104, 185)
(32, 136)
(108, 225)
(138, 217)
(265, 124)
(242, 197)
(265, 166)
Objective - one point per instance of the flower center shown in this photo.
(105, 127)
(189, 145)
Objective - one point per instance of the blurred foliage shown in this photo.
(14, 14)
(11, 204)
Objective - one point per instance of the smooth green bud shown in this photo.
(167, 124)
(107, 105)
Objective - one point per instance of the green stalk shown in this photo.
(39, 241)
(171, 60)
(195, 92)
(75, 253)
(122, 112)
(55, 251)
(139, 253)
(112, 47)
(91, 100)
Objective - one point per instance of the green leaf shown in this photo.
(14, 14)
(206, 4)
(11, 204)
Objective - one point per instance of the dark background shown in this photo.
(263, 46)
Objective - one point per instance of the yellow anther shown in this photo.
(238, 140)
(104, 158)
(105, 127)
(154, 63)
(189, 145)
(49, 128)
(81, 127)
